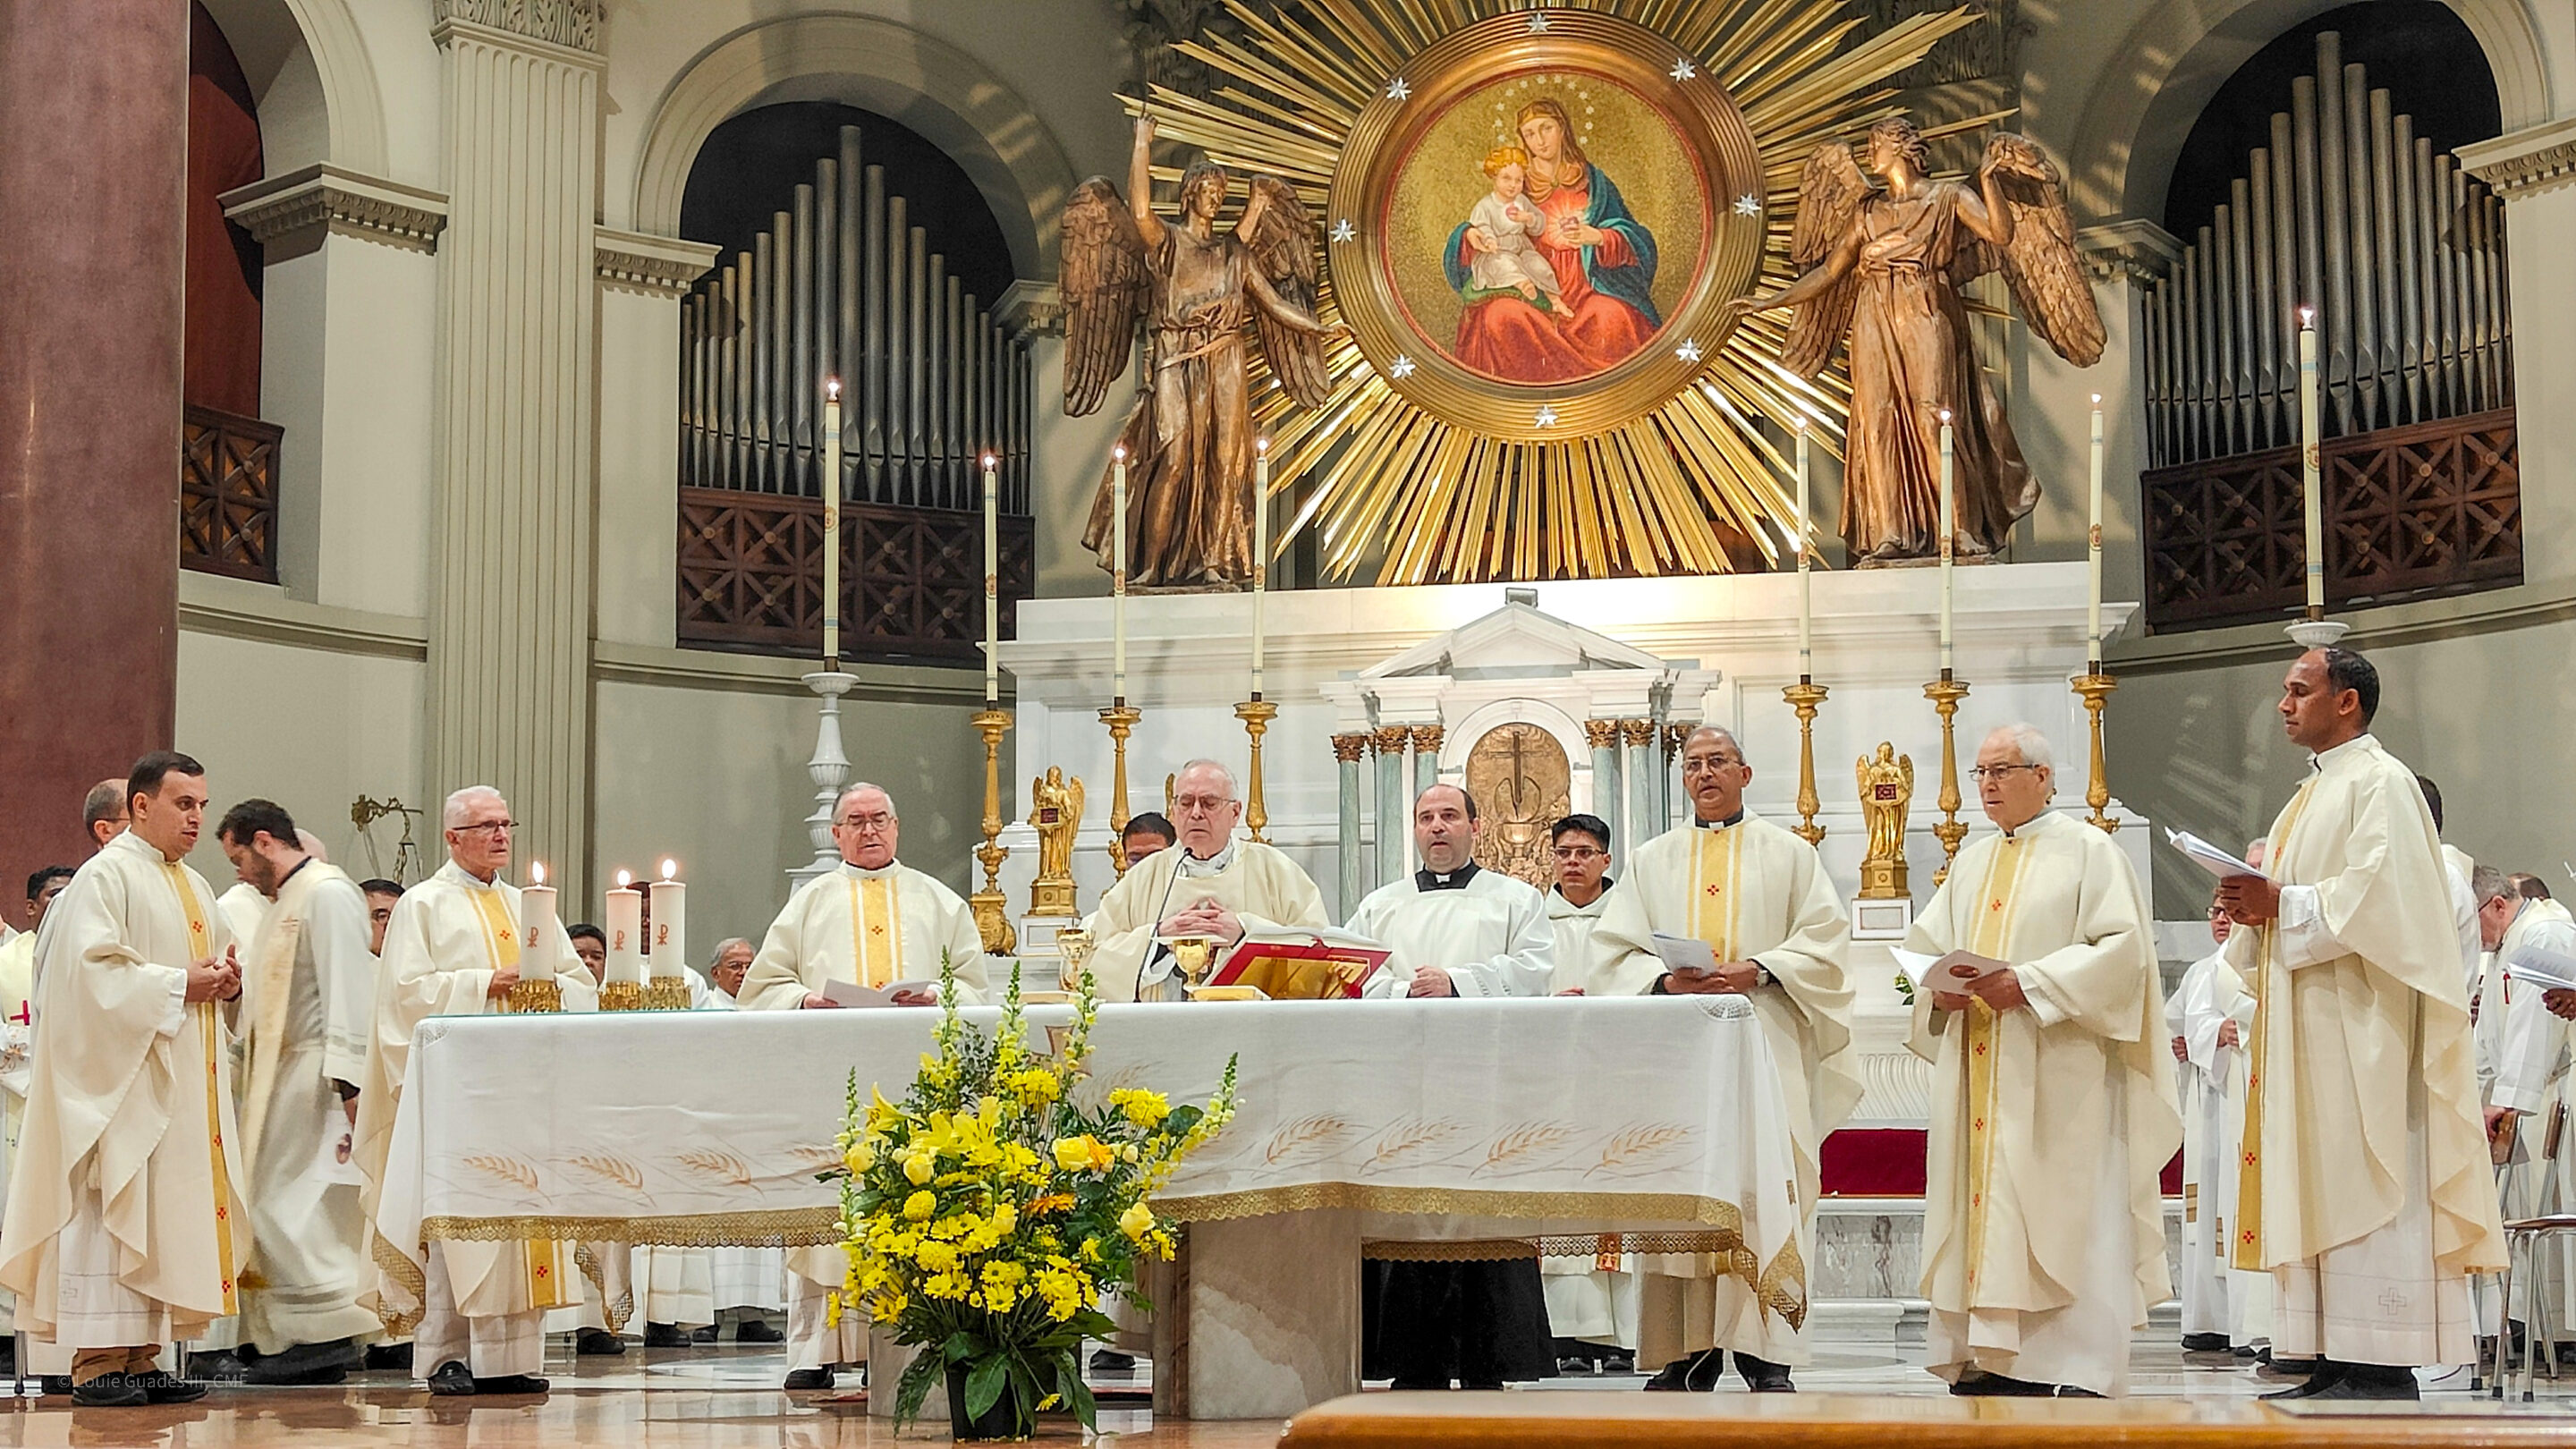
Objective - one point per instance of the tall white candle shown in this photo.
(1260, 548)
(539, 926)
(992, 587)
(1806, 609)
(1118, 576)
(1949, 529)
(832, 521)
(668, 956)
(2311, 487)
(625, 927)
(2093, 598)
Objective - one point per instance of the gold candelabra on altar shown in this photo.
(621, 996)
(992, 912)
(666, 993)
(2094, 688)
(1945, 694)
(534, 996)
(1804, 697)
(1256, 714)
(1121, 719)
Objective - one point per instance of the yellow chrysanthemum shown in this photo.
(920, 1206)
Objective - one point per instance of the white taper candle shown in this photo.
(1118, 576)
(1806, 601)
(2311, 485)
(2093, 596)
(831, 484)
(992, 585)
(1260, 548)
(1949, 530)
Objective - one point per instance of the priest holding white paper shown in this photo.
(1760, 900)
(1210, 885)
(455, 945)
(2365, 1185)
(2532, 940)
(2052, 1097)
(875, 924)
(1455, 930)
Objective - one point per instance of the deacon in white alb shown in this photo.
(126, 1227)
(744, 1285)
(874, 922)
(1455, 930)
(2211, 1014)
(455, 947)
(1759, 896)
(2052, 1097)
(308, 991)
(2530, 1067)
(1212, 885)
(2365, 1185)
(1591, 1302)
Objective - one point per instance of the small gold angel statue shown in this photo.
(1055, 809)
(1886, 789)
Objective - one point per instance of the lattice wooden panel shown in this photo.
(228, 494)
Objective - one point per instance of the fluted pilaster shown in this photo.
(509, 620)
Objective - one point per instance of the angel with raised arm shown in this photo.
(1189, 437)
(1886, 266)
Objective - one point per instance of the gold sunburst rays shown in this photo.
(1688, 471)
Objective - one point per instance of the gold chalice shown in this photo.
(1194, 953)
(1073, 946)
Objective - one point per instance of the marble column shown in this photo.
(512, 518)
(1394, 808)
(1347, 750)
(1603, 736)
(1426, 760)
(1676, 732)
(1639, 736)
(93, 252)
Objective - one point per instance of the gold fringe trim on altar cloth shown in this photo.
(1670, 1207)
(777, 1228)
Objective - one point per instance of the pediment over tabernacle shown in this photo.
(1516, 641)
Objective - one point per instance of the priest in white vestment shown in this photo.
(308, 992)
(875, 922)
(2211, 1014)
(1211, 885)
(1760, 897)
(126, 1228)
(17, 1038)
(454, 947)
(1591, 1302)
(1455, 930)
(2457, 869)
(2052, 1097)
(744, 1285)
(2530, 1073)
(2365, 1184)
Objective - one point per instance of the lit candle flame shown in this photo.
(989, 461)
(670, 868)
(623, 879)
(537, 872)
(1945, 416)
(831, 389)
(1261, 445)
(1119, 452)
(2097, 399)
(2307, 316)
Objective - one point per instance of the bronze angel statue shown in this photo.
(1886, 267)
(1189, 437)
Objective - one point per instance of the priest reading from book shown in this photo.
(455, 945)
(2365, 1186)
(2053, 1109)
(126, 1227)
(1208, 884)
(874, 925)
(1455, 930)
(1775, 934)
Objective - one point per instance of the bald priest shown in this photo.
(1211, 885)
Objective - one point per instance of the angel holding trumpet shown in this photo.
(1189, 437)
(1887, 265)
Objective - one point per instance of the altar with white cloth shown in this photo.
(1363, 1125)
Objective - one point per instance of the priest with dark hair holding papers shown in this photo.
(1212, 887)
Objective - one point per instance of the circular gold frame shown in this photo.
(1494, 49)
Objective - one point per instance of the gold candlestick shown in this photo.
(2095, 690)
(992, 913)
(534, 997)
(621, 996)
(1256, 714)
(1945, 694)
(665, 993)
(1121, 719)
(1803, 697)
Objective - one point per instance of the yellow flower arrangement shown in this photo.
(985, 1214)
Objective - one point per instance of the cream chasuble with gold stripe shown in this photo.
(126, 1224)
(2043, 1235)
(869, 927)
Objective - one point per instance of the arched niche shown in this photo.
(937, 90)
(2181, 51)
(317, 87)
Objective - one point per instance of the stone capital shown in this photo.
(1426, 738)
(1389, 739)
(290, 215)
(1601, 734)
(2526, 162)
(1348, 748)
(572, 24)
(1639, 733)
(2128, 248)
(657, 266)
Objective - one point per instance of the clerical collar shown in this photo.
(1735, 819)
(1455, 880)
(865, 873)
(2318, 760)
(1196, 868)
(468, 878)
(290, 875)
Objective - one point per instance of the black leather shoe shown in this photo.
(1696, 1374)
(2325, 1374)
(703, 1333)
(110, 1391)
(598, 1343)
(1980, 1384)
(54, 1385)
(223, 1366)
(1111, 1361)
(753, 1330)
(163, 1388)
(452, 1379)
(1618, 1361)
(2370, 1381)
(389, 1356)
(1763, 1376)
(664, 1335)
(305, 1363)
(2205, 1343)
(512, 1384)
(801, 1380)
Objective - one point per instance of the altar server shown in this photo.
(308, 990)
(743, 1284)
(2530, 1074)
(126, 1225)
(1592, 1309)
(873, 922)
(1455, 930)
(675, 1287)
(455, 948)
(2052, 1097)
(2364, 1182)
(1759, 896)
(1212, 885)
(2210, 1013)
(2457, 868)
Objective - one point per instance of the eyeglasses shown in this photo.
(1701, 764)
(1577, 852)
(492, 827)
(1201, 804)
(877, 824)
(1983, 773)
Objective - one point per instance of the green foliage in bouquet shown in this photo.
(984, 1214)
